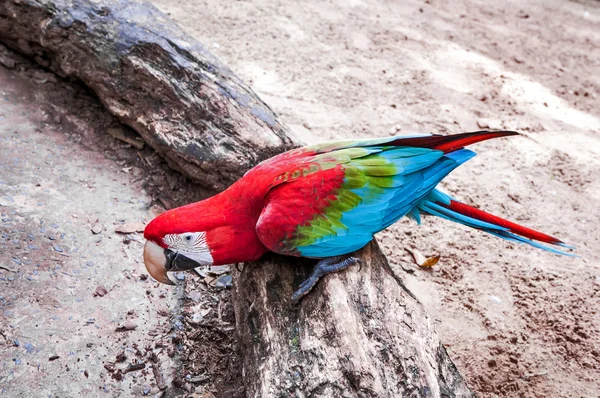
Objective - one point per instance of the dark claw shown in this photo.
(237, 266)
(323, 267)
(304, 289)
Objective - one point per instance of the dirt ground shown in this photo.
(79, 317)
(518, 322)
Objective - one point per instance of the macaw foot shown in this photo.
(323, 267)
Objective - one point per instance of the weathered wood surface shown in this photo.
(359, 333)
(164, 84)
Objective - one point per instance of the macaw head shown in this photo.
(178, 240)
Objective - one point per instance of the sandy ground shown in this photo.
(78, 315)
(517, 321)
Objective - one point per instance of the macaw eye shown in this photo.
(187, 242)
(191, 238)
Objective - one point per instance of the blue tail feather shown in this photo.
(432, 205)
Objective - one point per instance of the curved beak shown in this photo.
(159, 261)
(156, 262)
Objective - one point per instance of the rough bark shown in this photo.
(183, 102)
(360, 332)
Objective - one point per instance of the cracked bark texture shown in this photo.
(360, 333)
(156, 79)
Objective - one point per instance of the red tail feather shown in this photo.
(451, 143)
(477, 214)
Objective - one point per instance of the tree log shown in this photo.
(184, 103)
(360, 332)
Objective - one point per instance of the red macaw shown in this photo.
(324, 202)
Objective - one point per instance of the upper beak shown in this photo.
(159, 261)
(156, 262)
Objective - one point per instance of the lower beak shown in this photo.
(159, 261)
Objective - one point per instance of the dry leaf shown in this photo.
(421, 260)
(431, 261)
(417, 256)
(130, 227)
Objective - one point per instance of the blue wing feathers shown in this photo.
(418, 170)
(389, 182)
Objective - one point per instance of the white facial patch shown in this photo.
(192, 245)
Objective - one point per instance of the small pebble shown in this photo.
(100, 291)
(58, 248)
